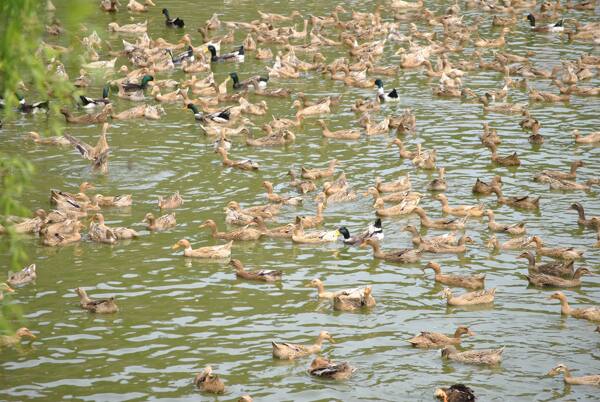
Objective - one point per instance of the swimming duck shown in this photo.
(565, 253)
(234, 216)
(467, 282)
(593, 222)
(221, 251)
(56, 195)
(271, 196)
(22, 277)
(273, 138)
(456, 392)
(461, 210)
(558, 269)
(490, 136)
(439, 183)
(591, 138)
(360, 298)
(99, 117)
(406, 206)
(135, 87)
(542, 280)
(244, 164)
(5, 288)
(245, 233)
(524, 202)
(235, 56)
(304, 186)
(325, 368)
(514, 229)
(392, 96)
(543, 176)
(459, 247)
(209, 382)
(13, 340)
(439, 340)
(251, 82)
(588, 313)
(555, 27)
(35, 107)
(468, 299)
(403, 152)
(313, 221)
(136, 6)
(314, 237)
(323, 294)
(118, 201)
(373, 231)
(262, 275)
(173, 201)
(264, 211)
(482, 356)
(403, 255)
(318, 109)
(55, 140)
(91, 103)
(500, 41)
(161, 223)
(383, 127)
(448, 224)
(187, 56)
(568, 379)
(291, 351)
(129, 28)
(402, 184)
(349, 134)
(101, 306)
(417, 239)
(99, 232)
(314, 174)
(172, 22)
(512, 244)
(483, 188)
(509, 160)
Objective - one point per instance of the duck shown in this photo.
(500, 41)
(391, 96)
(524, 202)
(439, 183)
(318, 109)
(56, 195)
(593, 222)
(273, 138)
(565, 253)
(128, 28)
(592, 138)
(24, 276)
(403, 152)
(448, 224)
(118, 201)
(252, 82)
(508, 160)
(554, 27)
(99, 232)
(406, 206)
(463, 281)
(402, 256)
(271, 196)
(262, 275)
(417, 239)
(323, 294)
(358, 299)
(13, 340)
(489, 136)
(512, 244)
(171, 202)
(136, 87)
(314, 174)
(245, 233)
(483, 188)
(234, 216)
(461, 210)
(314, 237)
(514, 229)
(244, 164)
(373, 231)
(588, 313)
(221, 251)
(172, 22)
(484, 296)
(292, 351)
(263, 211)
(314, 221)
(439, 340)
(161, 223)
(459, 247)
(558, 269)
(402, 184)
(100, 117)
(237, 56)
(208, 382)
(5, 288)
(481, 356)
(54, 140)
(456, 392)
(174, 96)
(348, 134)
(325, 368)
(542, 280)
(383, 127)
(100, 306)
(35, 107)
(303, 186)
(186, 56)
(568, 379)
(89, 103)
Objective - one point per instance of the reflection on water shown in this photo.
(177, 315)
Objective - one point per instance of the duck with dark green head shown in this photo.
(36, 107)
(237, 55)
(254, 82)
(392, 96)
(217, 117)
(89, 103)
(133, 87)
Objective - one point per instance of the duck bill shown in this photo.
(9, 289)
(175, 246)
(471, 333)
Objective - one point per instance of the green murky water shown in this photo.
(178, 315)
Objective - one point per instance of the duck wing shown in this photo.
(82, 147)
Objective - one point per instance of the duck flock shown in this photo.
(350, 50)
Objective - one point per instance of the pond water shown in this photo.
(178, 315)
